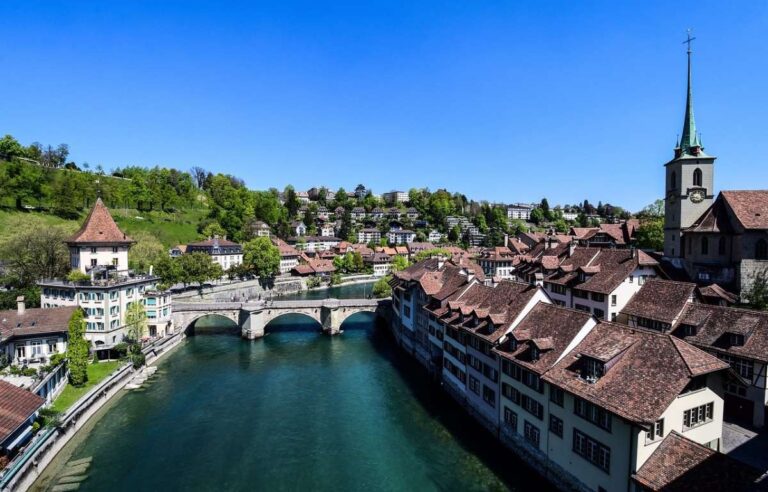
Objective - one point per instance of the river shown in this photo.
(297, 410)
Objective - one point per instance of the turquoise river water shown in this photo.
(296, 410)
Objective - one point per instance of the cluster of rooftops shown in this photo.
(630, 370)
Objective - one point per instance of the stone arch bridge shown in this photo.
(253, 317)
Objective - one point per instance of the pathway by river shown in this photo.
(297, 410)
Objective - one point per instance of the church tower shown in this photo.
(689, 180)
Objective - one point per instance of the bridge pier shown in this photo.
(330, 316)
(253, 324)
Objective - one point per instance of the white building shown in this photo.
(401, 236)
(434, 236)
(226, 253)
(29, 337)
(289, 256)
(380, 263)
(519, 211)
(312, 244)
(367, 235)
(100, 248)
(395, 196)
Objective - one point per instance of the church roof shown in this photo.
(749, 207)
(99, 227)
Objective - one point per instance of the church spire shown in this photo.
(689, 143)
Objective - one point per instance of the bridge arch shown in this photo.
(294, 321)
(226, 321)
(345, 314)
(316, 313)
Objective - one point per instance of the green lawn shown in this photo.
(96, 373)
(169, 228)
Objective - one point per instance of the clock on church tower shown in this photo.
(689, 180)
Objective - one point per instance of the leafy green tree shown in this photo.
(77, 349)
(146, 252)
(35, 251)
(429, 253)
(213, 229)
(650, 234)
(544, 206)
(291, 201)
(454, 234)
(10, 148)
(655, 209)
(169, 270)
(196, 268)
(537, 216)
(261, 257)
(135, 321)
(381, 288)
(757, 293)
(22, 182)
(399, 263)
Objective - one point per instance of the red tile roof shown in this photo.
(681, 465)
(99, 227)
(34, 321)
(16, 406)
(660, 300)
(648, 370)
(749, 207)
(714, 323)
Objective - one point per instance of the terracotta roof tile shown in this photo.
(749, 207)
(681, 465)
(99, 227)
(660, 300)
(647, 370)
(16, 406)
(714, 323)
(34, 321)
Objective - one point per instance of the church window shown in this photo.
(721, 246)
(697, 177)
(761, 250)
(673, 180)
(704, 246)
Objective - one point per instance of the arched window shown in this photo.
(697, 177)
(673, 180)
(704, 246)
(721, 246)
(761, 250)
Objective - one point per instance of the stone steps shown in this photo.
(74, 473)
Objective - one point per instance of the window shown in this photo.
(489, 396)
(592, 369)
(93, 262)
(591, 450)
(474, 385)
(21, 352)
(704, 246)
(556, 396)
(114, 249)
(510, 418)
(743, 367)
(532, 380)
(592, 413)
(556, 426)
(599, 313)
(37, 348)
(93, 250)
(673, 180)
(598, 297)
(697, 416)
(52, 346)
(115, 261)
(721, 246)
(656, 432)
(697, 177)
(407, 311)
(613, 316)
(531, 433)
(761, 250)
(613, 299)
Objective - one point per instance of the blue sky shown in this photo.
(504, 101)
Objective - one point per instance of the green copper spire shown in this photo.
(689, 143)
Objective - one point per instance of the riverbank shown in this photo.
(29, 466)
(295, 410)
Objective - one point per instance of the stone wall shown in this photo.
(243, 291)
(746, 273)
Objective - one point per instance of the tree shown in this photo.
(655, 209)
(291, 201)
(198, 174)
(537, 216)
(399, 263)
(77, 349)
(22, 181)
(429, 253)
(544, 206)
(213, 229)
(381, 288)
(135, 321)
(197, 268)
(35, 251)
(650, 234)
(454, 234)
(261, 257)
(757, 293)
(169, 271)
(146, 252)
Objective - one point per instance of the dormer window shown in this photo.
(689, 330)
(736, 340)
(592, 369)
(535, 353)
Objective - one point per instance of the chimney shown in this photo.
(440, 262)
(571, 248)
(470, 274)
(20, 307)
(633, 252)
(506, 240)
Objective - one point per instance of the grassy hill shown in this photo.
(169, 228)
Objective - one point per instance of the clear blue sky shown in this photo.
(504, 101)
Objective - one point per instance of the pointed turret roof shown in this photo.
(99, 227)
(690, 143)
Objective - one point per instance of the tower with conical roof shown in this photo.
(689, 179)
(99, 242)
